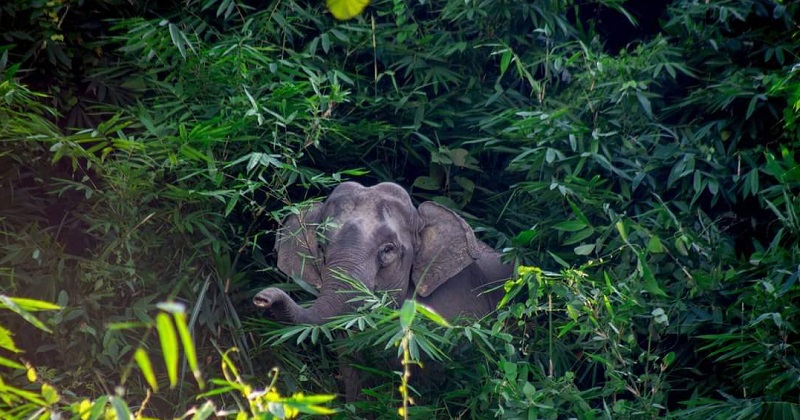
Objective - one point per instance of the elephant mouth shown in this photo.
(262, 301)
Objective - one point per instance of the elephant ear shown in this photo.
(445, 246)
(297, 247)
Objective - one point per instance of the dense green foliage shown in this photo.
(637, 160)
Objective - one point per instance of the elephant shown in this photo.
(376, 236)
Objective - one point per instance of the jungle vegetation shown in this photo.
(637, 160)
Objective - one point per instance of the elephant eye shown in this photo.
(387, 254)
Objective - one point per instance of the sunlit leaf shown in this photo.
(50, 394)
(10, 363)
(432, 315)
(143, 360)
(6, 340)
(9, 303)
(33, 305)
(169, 346)
(188, 347)
(30, 373)
(346, 9)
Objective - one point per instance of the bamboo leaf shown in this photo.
(169, 346)
(188, 347)
(346, 9)
(143, 360)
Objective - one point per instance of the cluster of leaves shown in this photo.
(665, 169)
(646, 153)
(46, 402)
(108, 217)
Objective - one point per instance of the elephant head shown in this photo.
(374, 235)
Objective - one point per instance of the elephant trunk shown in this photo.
(326, 306)
(332, 300)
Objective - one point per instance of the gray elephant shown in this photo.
(376, 236)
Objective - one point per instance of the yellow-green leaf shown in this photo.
(10, 363)
(346, 9)
(654, 245)
(188, 346)
(432, 315)
(34, 305)
(31, 374)
(98, 407)
(27, 395)
(169, 346)
(143, 360)
(50, 394)
(622, 231)
(10, 303)
(7, 342)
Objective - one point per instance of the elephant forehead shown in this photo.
(370, 222)
(358, 229)
(369, 218)
(368, 205)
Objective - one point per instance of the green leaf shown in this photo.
(654, 245)
(169, 346)
(6, 340)
(33, 305)
(326, 42)
(645, 103)
(649, 281)
(620, 225)
(584, 249)
(143, 360)
(407, 313)
(751, 106)
(569, 226)
(120, 408)
(346, 9)
(432, 315)
(27, 395)
(669, 358)
(188, 347)
(681, 243)
(177, 39)
(525, 237)
(231, 204)
(578, 213)
(50, 394)
(579, 236)
(10, 363)
(559, 260)
(98, 407)
(426, 183)
(9, 303)
(505, 60)
(119, 326)
(205, 411)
